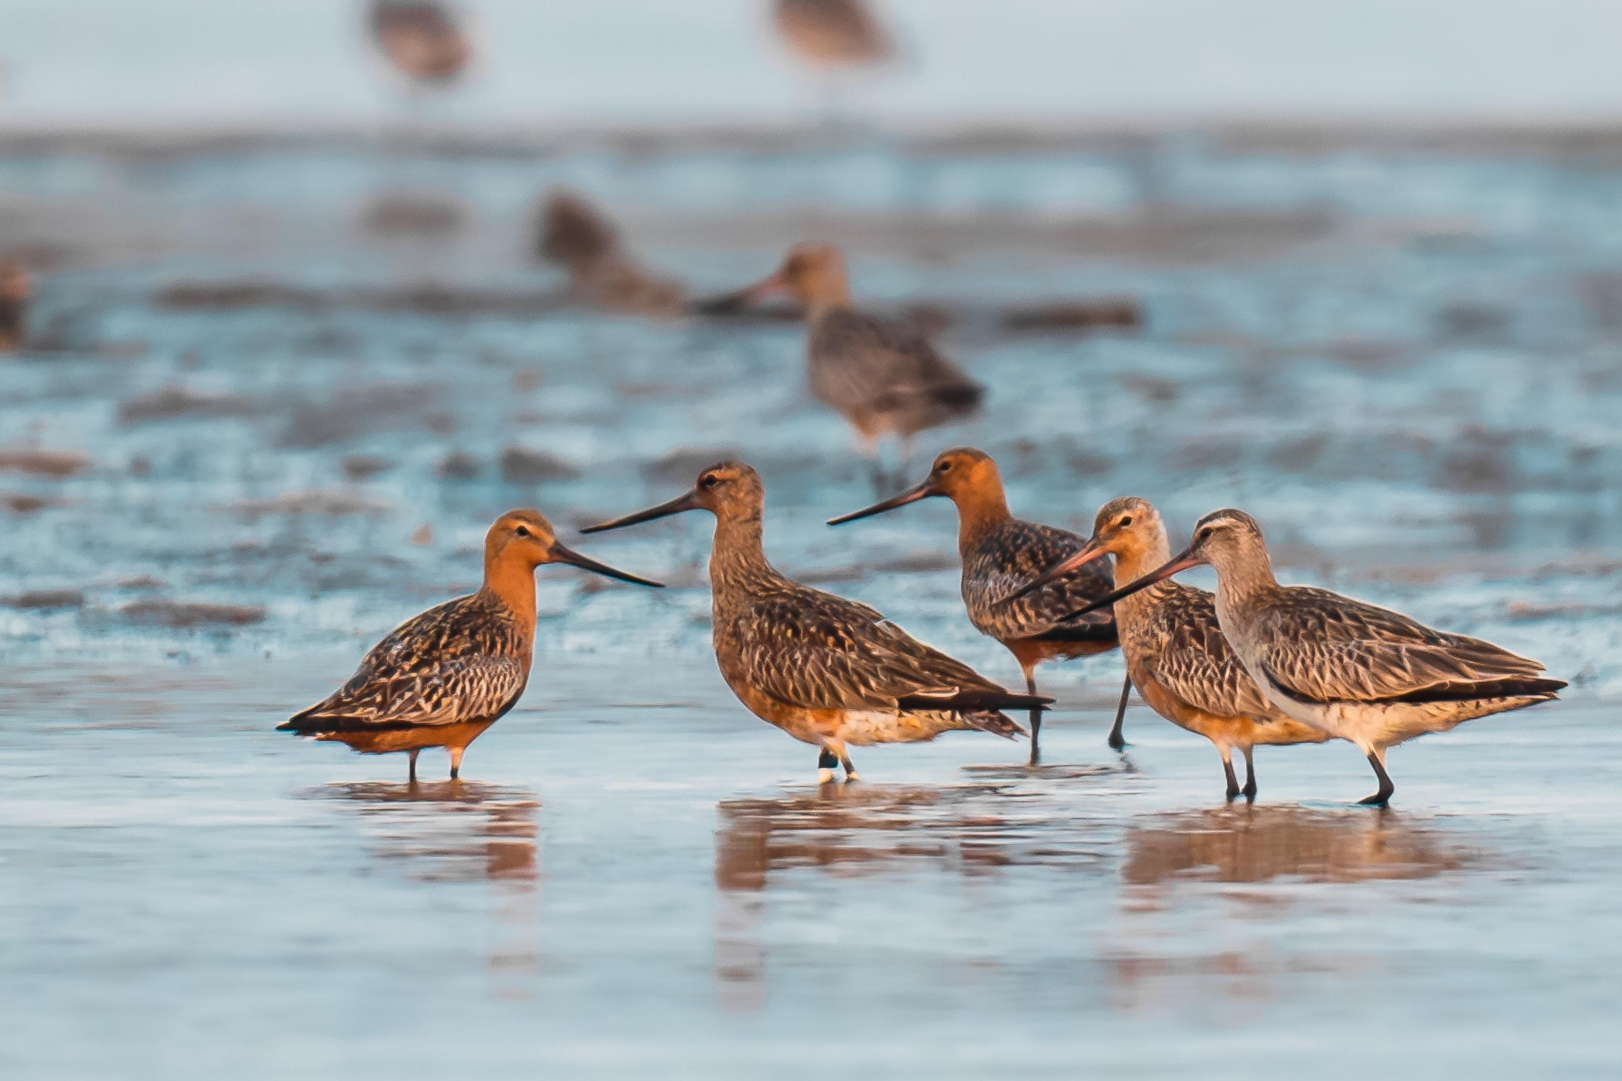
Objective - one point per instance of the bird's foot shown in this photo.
(852, 777)
(1379, 799)
(825, 776)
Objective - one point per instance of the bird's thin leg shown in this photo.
(456, 762)
(1036, 715)
(1250, 775)
(1227, 769)
(1116, 740)
(850, 768)
(412, 779)
(1383, 796)
(826, 761)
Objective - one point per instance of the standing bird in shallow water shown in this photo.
(1175, 653)
(880, 372)
(602, 272)
(441, 678)
(828, 671)
(1001, 554)
(1354, 670)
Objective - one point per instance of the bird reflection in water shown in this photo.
(1248, 861)
(462, 831)
(969, 831)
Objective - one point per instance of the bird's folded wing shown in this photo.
(833, 654)
(446, 690)
(1195, 662)
(1316, 670)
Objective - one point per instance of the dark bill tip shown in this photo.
(1179, 562)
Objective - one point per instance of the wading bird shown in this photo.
(602, 272)
(1001, 554)
(441, 678)
(1175, 653)
(1354, 670)
(879, 372)
(828, 671)
(15, 289)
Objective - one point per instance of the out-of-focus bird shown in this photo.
(828, 671)
(16, 288)
(1000, 554)
(423, 39)
(1355, 670)
(832, 34)
(441, 678)
(578, 237)
(880, 372)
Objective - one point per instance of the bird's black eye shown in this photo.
(1124, 522)
(708, 480)
(1205, 535)
(522, 531)
(943, 467)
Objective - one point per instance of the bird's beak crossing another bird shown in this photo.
(1180, 562)
(911, 495)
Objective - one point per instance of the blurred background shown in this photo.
(296, 296)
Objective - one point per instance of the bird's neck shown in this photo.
(1243, 579)
(738, 563)
(512, 582)
(981, 511)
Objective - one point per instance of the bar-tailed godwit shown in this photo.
(441, 678)
(880, 372)
(1355, 670)
(1001, 553)
(828, 671)
(832, 34)
(1175, 653)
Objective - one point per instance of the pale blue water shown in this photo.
(1402, 363)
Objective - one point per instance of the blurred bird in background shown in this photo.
(833, 39)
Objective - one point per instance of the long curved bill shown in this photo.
(1080, 558)
(562, 554)
(911, 495)
(684, 502)
(1180, 562)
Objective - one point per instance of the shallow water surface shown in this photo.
(1401, 360)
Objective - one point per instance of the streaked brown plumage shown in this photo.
(1001, 554)
(441, 678)
(1364, 673)
(421, 38)
(577, 236)
(826, 670)
(15, 290)
(1175, 654)
(881, 373)
(832, 33)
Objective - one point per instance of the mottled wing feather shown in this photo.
(1013, 556)
(1322, 647)
(1193, 660)
(818, 651)
(445, 666)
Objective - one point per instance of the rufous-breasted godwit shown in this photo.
(441, 678)
(423, 39)
(1175, 653)
(1001, 554)
(1355, 670)
(880, 372)
(830, 672)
